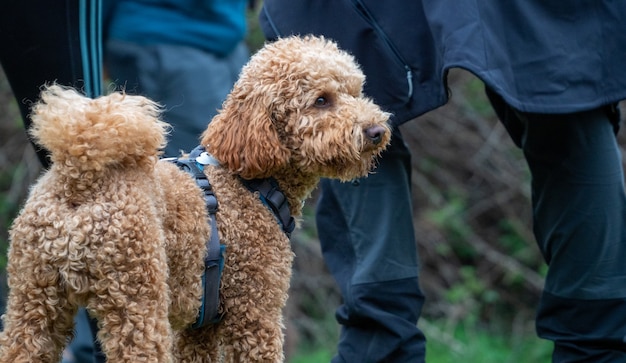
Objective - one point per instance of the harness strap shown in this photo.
(274, 199)
(214, 260)
(270, 195)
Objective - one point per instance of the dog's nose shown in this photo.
(375, 134)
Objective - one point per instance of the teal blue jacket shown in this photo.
(216, 26)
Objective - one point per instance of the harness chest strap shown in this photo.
(214, 260)
(270, 195)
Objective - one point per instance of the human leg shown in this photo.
(367, 237)
(59, 42)
(579, 209)
(81, 348)
(190, 83)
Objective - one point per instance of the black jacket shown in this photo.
(548, 56)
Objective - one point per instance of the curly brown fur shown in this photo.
(110, 228)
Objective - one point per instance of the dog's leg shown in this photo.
(254, 289)
(253, 340)
(252, 328)
(131, 304)
(196, 346)
(137, 334)
(38, 321)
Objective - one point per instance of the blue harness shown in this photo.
(270, 195)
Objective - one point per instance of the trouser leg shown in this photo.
(579, 210)
(45, 42)
(85, 347)
(367, 237)
(190, 83)
(98, 355)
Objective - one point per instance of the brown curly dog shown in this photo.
(112, 228)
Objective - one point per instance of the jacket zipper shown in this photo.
(362, 9)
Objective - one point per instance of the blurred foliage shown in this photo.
(18, 164)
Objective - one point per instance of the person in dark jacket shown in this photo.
(554, 72)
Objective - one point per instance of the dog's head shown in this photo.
(299, 103)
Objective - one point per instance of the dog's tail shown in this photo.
(87, 135)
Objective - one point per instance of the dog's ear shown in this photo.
(243, 136)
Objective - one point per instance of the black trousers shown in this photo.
(367, 238)
(42, 42)
(579, 215)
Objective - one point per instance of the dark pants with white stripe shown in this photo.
(42, 42)
(579, 215)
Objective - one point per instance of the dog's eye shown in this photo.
(321, 102)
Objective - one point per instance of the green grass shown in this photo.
(312, 356)
(465, 344)
(476, 345)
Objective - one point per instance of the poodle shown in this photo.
(112, 227)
